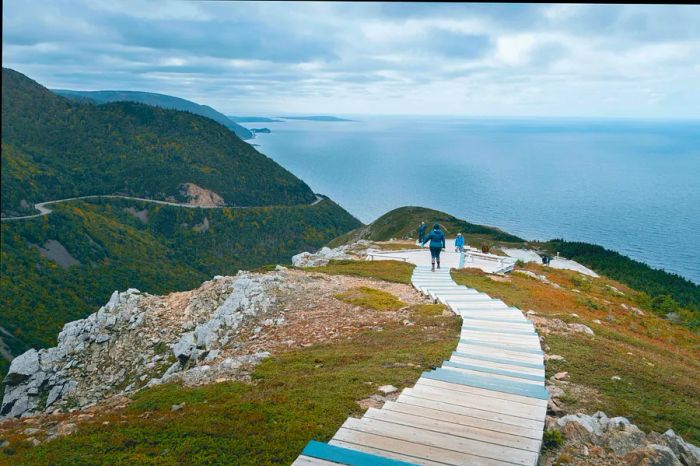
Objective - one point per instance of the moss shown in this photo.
(371, 298)
(390, 271)
(428, 310)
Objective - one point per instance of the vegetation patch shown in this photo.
(428, 310)
(390, 271)
(295, 397)
(657, 361)
(371, 298)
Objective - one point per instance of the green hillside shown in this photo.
(158, 100)
(121, 244)
(54, 148)
(403, 223)
(665, 292)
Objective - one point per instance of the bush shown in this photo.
(552, 439)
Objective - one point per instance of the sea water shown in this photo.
(629, 185)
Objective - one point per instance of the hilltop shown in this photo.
(157, 100)
(667, 294)
(53, 148)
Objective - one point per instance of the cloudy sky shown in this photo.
(360, 58)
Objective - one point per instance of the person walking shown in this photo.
(421, 232)
(437, 244)
(459, 243)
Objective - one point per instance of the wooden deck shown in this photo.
(486, 405)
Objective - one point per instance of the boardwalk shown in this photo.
(486, 405)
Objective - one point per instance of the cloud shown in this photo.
(439, 58)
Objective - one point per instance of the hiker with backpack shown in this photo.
(421, 232)
(437, 244)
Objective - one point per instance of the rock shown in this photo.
(574, 315)
(652, 455)
(688, 453)
(561, 375)
(615, 377)
(387, 389)
(99, 339)
(553, 357)
(554, 391)
(4, 444)
(623, 437)
(581, 328)
(22, 367)
(177, 407)
(183, 349)
(66, 428)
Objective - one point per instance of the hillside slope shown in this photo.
(53, 148)
(62, 266)
(665, 293)
(157, 100)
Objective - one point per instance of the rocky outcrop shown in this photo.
(599, 439)
(324, 255)
(139, 340)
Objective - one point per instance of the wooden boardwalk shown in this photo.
(486, 405)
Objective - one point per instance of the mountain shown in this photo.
(252, 119)
(54, 148)
(157, 100)
(61, 266)
(325, 118)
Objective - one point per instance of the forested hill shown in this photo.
(54, 148)
(158, 100)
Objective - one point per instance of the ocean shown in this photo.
(629, 185)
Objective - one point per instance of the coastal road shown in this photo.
(44, 210)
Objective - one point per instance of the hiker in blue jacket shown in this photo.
(459, 243)
(437, 244)
(421, 232)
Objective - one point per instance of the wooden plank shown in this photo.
(493, 375)
(507, 347)
(489, 382)
(445, 413)
(487, 403)
(475, 349)
(309, 461)
(341, 455)
(484, 392)
(495, 370)
(476, 412)
(508, 327)
(484, 403)
(497, 365)
(445, 441)
(514, 362)
(458, 430)
(486, 320)
(519, 340)
(416, 450)
(388, 454)
(498, 329)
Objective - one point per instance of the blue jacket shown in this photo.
(421, 229)
(459, 241)
(436, 238)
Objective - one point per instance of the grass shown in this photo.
(660, 386)
(390, 271)
(428, 310)
(371, 298)
(296, 396)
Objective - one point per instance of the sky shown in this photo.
(250, 58)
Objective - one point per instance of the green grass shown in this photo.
(390, 271)
(371, 298)
(655, 397)
(297, 396)
(428, 310)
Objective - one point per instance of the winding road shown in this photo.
(44, 210)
